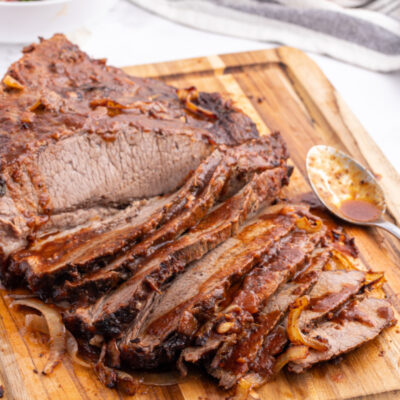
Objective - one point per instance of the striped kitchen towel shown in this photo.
(361, 32)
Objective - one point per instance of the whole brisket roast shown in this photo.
(146, 212)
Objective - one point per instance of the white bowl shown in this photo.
(24, 21)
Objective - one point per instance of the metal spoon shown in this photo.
(346, 188)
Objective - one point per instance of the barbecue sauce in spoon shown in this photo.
(360, 210)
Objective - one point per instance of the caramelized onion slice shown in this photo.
(375, 289)
(113, 107)
(329, 266)
(56, 328)
(372, 278)
(12, 83)
(342, 261)
(294, 353)
(129, 382)
(108, 103)
(36, 323)
(183, 94)
(245, 387)
(21, 296)
(72, 350)
(96, 340)
(294, 332)
(36, 105)
(187, 96)
(309, 226)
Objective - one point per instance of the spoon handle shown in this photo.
(392, 228)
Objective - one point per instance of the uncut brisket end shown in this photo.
(120, 307)
(82, 137)
(59, 67)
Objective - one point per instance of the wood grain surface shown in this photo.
(281, 89)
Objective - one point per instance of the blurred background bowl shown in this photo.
(24, 21)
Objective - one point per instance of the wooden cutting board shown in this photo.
(283, 90)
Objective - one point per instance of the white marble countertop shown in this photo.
(129, 35)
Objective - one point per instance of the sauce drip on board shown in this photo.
(360, 210)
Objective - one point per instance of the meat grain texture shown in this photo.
(146, 211)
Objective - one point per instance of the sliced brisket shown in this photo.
(269, 316)
(268, 338)
(195, 296)
(290, 291)
(69, 256)
(331, 290)
(112, 312)
(238, 326)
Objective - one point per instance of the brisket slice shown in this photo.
(113, 311)
(290, 291)
(83, 136)
(332, 289)
(356, 323)
(193, 297)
